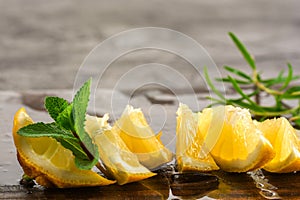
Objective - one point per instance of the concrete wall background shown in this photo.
(43, 43)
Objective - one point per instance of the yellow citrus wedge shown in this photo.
(236, 144)
(49, 163)
(190, 154)
(120, 162)
(283, 137)
(140, 138)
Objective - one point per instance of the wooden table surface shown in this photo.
(231, 186)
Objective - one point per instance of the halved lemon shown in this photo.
(48, 162)
(120, 162)
(283, 137)
(140, 138)
(234, 141)
(190, 152)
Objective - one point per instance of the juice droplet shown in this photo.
(269, 194)
(266, 189)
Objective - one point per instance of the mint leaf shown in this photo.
(55, 106)
(65, 118)
(80, 103)
(85, 163)
(76, 149)
(41, 129)
(64, 137)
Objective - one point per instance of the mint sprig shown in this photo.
(68, 127)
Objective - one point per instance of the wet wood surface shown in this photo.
(231, 186)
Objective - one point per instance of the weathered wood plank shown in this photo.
(231, 186)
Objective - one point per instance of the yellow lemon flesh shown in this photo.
(233, 139)
(140, 138)
(49, 163)
(120, 162)
(286, 145)
(190, 154)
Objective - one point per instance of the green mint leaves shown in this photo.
(80, 104)
(55, 106)
(68, 127)
(41, 129)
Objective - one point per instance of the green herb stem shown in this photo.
(104, 171)
(259, 86)
(273, 113)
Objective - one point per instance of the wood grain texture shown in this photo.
(231, 186)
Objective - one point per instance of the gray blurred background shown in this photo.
(43, 43)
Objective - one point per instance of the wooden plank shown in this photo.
(231, 186)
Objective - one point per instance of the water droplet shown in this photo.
(269, 194)
(29, 191)
(266, 189)
(260, 185)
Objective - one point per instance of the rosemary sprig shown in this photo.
(279, 88)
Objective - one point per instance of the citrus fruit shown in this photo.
(190, 154)
(283, 137)
(120, 162)
(140, 138)
(233, 139)
(48, 162)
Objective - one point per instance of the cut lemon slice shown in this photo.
(140, 138)
(190, 154)
(285, 143)
(120, 162)
(236, 144)
(49, 163)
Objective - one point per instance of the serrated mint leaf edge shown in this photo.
(55, 105)
(80, 104)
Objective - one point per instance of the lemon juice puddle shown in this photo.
(267, 190)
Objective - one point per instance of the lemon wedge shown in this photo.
(283, 137)
(120, 162)
(190, 154)
(140, 138)
(233, 139)
(48, 162)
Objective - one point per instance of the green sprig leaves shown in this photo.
(80, 104)
(55, 106)
(279, 88)
(243, 50)
(68, 127)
